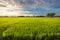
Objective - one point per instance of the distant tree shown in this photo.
(51, 14)
(42, 16)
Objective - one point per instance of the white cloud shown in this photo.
(14, 13)
(16, 7)
(12, 9)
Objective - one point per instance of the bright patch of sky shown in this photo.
(27, 6)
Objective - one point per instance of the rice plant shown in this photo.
(30, 28)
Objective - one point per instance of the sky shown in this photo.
(29, 7)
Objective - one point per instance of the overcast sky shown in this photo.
(42, 6)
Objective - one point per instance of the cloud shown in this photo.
(39, 3)
(21, 5)
(12, 8)
(47, 4)
(13, 12)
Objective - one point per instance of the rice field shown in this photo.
(30, 28)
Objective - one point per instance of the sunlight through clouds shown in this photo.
(14, 6)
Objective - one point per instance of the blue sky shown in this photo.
(41, 6)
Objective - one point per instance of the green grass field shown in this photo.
(30, 28)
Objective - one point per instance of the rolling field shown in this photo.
(30, 28)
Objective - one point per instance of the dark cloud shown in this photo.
(2, 5)
(33, 3)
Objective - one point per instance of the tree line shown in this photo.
(48, 15)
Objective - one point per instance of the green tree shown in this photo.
(51, 14)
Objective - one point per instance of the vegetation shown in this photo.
(51, 14)
(48, 15)
(30, 28)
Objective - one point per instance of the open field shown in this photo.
(30, 28)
